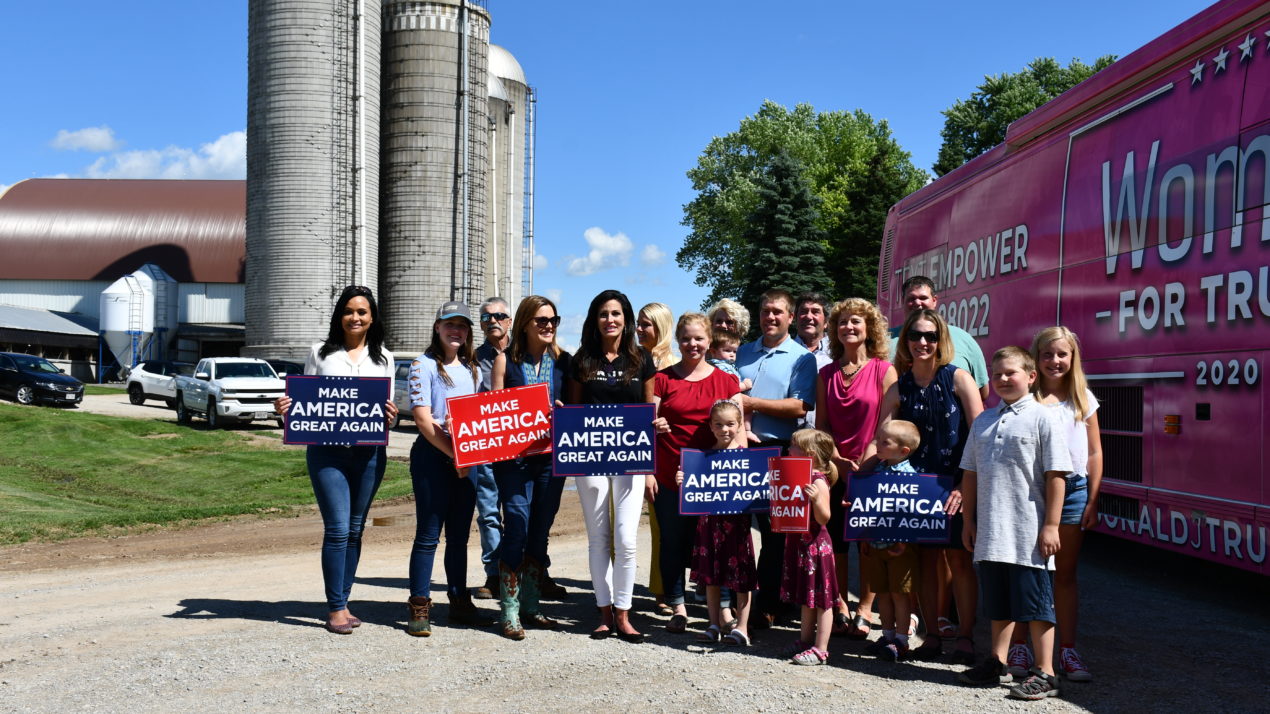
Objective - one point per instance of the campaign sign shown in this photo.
(337, 411)
(602, 439)
(791, 511)
(725, 481)
(897, 507)
(501, 425)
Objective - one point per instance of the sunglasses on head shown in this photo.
(916, 336)
(544, 321)
(499, 316)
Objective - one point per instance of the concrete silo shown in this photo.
(511, 111)
(312, 165)
(433, 205)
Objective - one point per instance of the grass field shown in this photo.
(103, 388)
(65, 474)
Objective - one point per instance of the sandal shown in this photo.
(677, 624)
(913, 622)
(736, 638)
(859, 628)
(710, 634)
(960, 656)
(947, 630)
(929, 651)
(811, 656)
(730, 625)
(841, 624)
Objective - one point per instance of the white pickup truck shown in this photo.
(227, 390)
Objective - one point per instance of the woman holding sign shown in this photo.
(942, 400)
(345, 478)
(848, 406)
(444, 496)
(527, 492)
(684, 394)
(611, 368)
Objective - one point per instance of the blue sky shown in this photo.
(629, 95)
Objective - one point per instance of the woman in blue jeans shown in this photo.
(528, 493)
(444, 495)
(345, 478)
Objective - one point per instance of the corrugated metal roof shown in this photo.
(25, 318)
(100, 229)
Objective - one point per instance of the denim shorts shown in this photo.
(1077, 496)
(1016, 592)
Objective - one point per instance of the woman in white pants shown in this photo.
(611, 368)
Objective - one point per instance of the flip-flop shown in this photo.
(947, 630)
(859, 628)
(841, 624)
(677, 624)
(736, 638)
(913, 622)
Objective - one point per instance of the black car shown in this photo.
(284, 367)
(30, 379)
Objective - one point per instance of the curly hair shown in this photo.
(735, 312)
(877, 342)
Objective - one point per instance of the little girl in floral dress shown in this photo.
(809, 579)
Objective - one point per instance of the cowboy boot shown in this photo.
(509, 602)
(420, 620)
(529, 596)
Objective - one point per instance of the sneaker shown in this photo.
(1019, 660)
(1038, 685)
(1073, 667)
(989, 673)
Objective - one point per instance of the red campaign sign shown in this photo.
(500, 426)
(791, 511)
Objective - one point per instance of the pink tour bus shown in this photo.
(1133, 210)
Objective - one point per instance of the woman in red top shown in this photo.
(683, 394)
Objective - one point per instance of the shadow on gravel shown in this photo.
(294, 612)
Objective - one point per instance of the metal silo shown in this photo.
(312, 165)
(433, 207)
(509, 113)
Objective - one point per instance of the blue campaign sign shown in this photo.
(602, 439)
(337, 411)
(725, 481)
(897, 507)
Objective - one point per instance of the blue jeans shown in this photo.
(442, 499)
(489, 524)
(530, 497)
(344, 480)
(677, 533)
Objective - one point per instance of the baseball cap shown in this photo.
(455, 308)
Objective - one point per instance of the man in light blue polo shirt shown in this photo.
(919, 292)
(783, 373)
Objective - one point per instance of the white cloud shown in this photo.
(224, 158)
(553, 294)
(4, 187)
(652, 256)
(607, 251)
(94, 138)
(569, 334)
(540, 261)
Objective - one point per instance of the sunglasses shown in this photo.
(499, 316)
(931, 337)
(545, 321)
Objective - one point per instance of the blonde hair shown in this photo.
(661, 317)
(725, 404)
(819, 446)
(905, 433)
(735, 311)
(877, 343)
(944, 351)
(1074, 381)
(691, 318)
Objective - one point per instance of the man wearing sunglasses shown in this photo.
(919, 292)
(496, 323)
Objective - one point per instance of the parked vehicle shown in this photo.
(228, 390)
(286, 367)
(30, 379)
(401, 391)
(153, 379)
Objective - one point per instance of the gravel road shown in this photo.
(225, 616)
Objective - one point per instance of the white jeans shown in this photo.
(613, 582)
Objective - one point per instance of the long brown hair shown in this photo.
(519, 346)
(467, 355)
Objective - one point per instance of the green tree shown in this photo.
(784, 246)
(853, 166)
(978, 123)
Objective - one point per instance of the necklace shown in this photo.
(846, 376)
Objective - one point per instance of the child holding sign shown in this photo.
(891, 568)
(809, 578)
(723, 553)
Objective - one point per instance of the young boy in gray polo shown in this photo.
(1015, 461)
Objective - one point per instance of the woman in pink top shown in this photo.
(848, 405)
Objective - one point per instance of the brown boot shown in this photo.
(420, 616)
(464, 611)
(488, 591)
(549, 589)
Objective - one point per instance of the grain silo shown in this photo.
(433, 210)
(312, 165)
(510, 108)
